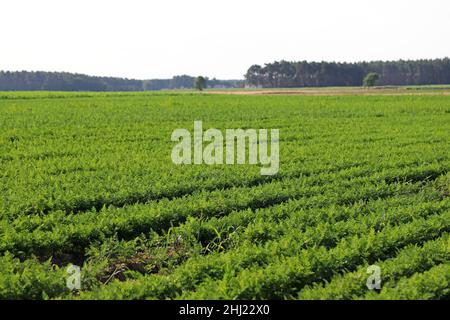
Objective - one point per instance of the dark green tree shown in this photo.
(370, 79)
(200, 83)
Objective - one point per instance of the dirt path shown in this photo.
(333, 91)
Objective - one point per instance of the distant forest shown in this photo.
(272, 75)
(317, 74)
(63, 81)
(187, 82)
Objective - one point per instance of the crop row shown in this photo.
(410, 260)
(319, 233)
(287, 269)
(57, 232)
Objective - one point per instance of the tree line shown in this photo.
(317, 74)
(189, 82)
(64, 81)
(277, 74)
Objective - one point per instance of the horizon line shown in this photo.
(229, 79)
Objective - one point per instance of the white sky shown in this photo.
(161, 38)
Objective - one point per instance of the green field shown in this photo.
(87, 179)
